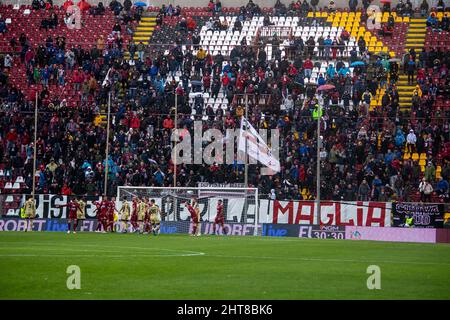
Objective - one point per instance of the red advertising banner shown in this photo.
(370, 214)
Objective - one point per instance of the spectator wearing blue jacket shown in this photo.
(331, 71)
(327, 45)
(159, 84)
(389, 157)
(159, 177)
(321, 80)
(399, 138)
(432, 21)
(3, 27)
(153, 72)
(344, 71)
(442, 187)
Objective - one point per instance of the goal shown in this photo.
(241, 209)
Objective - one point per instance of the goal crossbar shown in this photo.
(227, 192)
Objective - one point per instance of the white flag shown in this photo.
(256, 146)
(106, 78)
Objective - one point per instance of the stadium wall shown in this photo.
(232, 3)
(355, 213)
(415, 235)
(341, 213)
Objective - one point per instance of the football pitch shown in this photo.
(130, 266)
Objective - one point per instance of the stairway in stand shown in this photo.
(415, 38)
(143, 31)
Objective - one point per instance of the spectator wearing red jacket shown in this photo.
(84, 5)
(66, 191)
(308, 66)
(191, 24)
(67, 4)
(207, 82)
(11, 138)
(77, 79)
(292, 71)
(135, 123)
(168, 123)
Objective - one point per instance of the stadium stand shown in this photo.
(385, 121)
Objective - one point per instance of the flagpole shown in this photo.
(105, 83)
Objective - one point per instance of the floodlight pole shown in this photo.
(246, 151)
(34, 147)
(175, 147)
(175, 202)
(318, 166)
(107, 145)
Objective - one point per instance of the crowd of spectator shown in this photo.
(362, 147)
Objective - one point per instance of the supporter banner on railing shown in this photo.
(374, 214)
(424, 215)
(238, 211)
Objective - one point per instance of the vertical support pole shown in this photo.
(105, 190)
(318, 166)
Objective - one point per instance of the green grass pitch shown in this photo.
(131, 266)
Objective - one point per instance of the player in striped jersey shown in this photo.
(197, 211)
(81, 211)
(125, 214)
(155, 217)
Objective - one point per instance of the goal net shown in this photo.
(240, 208)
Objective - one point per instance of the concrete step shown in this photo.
(416, 25)
(413, 45)
(144, 38)
(138, 41)
(415, 34)
(415, 40)
(405, 89)
(148, 19)
(147, 24)
(417, 20)
(144, 28)
(143, 34)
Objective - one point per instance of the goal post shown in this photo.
(240, 207)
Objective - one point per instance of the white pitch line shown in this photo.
(328, 260)
(126, 256)
(177, 253)
(64, 247)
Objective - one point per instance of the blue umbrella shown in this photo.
(140, 4)
(357, 63)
